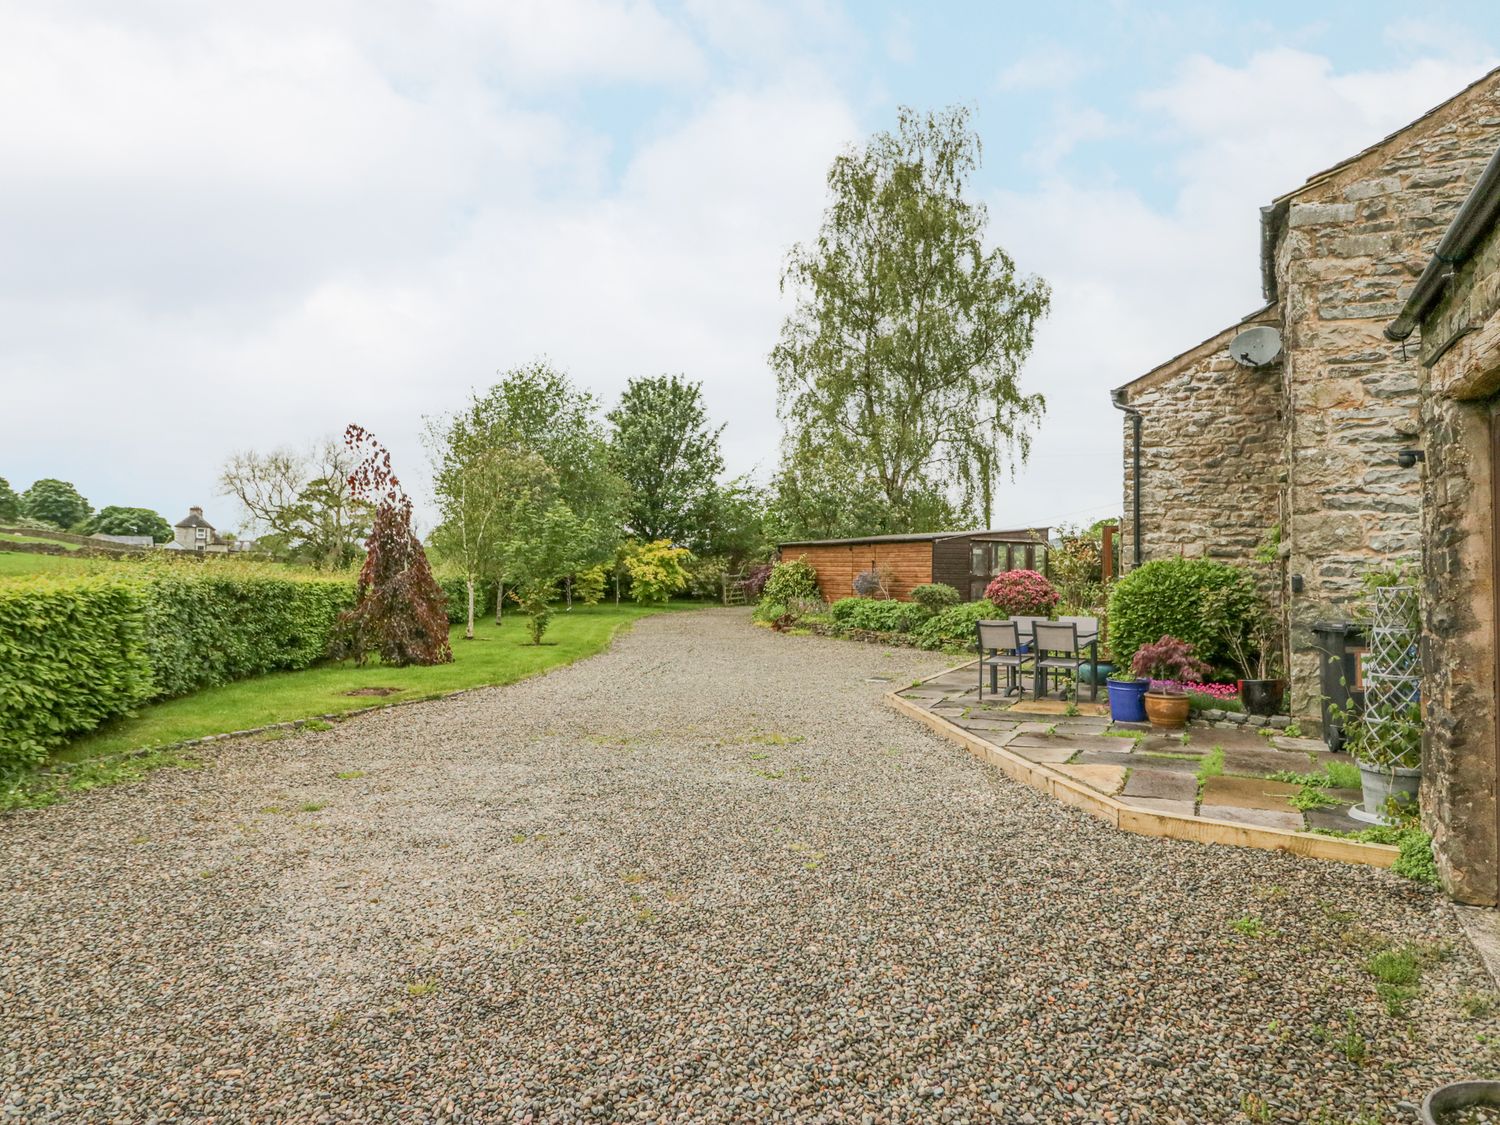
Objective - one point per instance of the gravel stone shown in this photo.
(705, 876)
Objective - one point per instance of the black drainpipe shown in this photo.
(1117, 397)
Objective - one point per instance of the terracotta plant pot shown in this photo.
(1168, 712)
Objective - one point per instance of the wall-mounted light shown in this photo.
(1408, 458)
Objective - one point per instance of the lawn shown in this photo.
(14, 537)
(14, 564)
(496, 655)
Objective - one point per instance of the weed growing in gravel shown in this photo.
(424, 987)
(518, 837)
(633, 877)
(771, 775)
(1254, 1107)
(314, 806)
(775, 738)
(1269, 892)
(1400, 965)
(1395, 997)
(1476, 1005)
(1352, 1044)
(1249, 927)
(317, 724)
(277, 735)
(139, 840)
(270, 810)
(350, 775)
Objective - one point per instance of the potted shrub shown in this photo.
(1127, 697)
(1251, 636)
(1169, 663)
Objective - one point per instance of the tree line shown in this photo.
(898, 391)
(54, 503)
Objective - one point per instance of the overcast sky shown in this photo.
(242, 225)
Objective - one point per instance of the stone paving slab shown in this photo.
(1187, 766)
(972, 723)
(1169, 744)
(1229, 739)
(1050, 754)
(1106, 779)
(1263, 761)
(1299, 745)
(1158, 805)
(1096, 742)
(1105, 758)
(1250, 793)
(1162, 785)
(1058, 707)
(1290, 820)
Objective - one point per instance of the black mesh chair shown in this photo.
(1000, 647)
(1057, 652)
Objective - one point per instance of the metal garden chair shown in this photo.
(1000, 647)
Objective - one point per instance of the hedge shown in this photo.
(76, 652)
(72, 654)
(1166, 596)
(456, 591)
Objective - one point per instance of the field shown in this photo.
(14, 564)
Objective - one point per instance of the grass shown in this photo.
(16, 537)
(15, 564)
(497, 655)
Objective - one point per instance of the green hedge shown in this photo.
(456, 591)
(1166, 597)
(72, 654)
(208, 629)
(76, 652)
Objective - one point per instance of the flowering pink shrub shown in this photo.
(1023, 592)
(1214, 691)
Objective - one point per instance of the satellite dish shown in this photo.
(1256, 347)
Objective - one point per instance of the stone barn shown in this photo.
(965, 560)
(1220, 457)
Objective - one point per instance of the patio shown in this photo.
(1219, 783)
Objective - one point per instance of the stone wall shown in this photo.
(1210, 455)
(1349, 246)
(1460, 377)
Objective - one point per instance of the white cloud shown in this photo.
(1049, 67)
(1135, 284)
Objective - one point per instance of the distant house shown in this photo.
(194, 533)
(965, 560)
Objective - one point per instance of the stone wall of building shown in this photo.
(1349, 246)
(1210, 456)
(1460, 379)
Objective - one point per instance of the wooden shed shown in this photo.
(965, 560)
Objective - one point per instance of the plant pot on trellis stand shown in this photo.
(1169, 661)
(1385, 740)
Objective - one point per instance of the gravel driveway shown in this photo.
(704, 876)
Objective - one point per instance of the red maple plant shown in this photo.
(401, 614)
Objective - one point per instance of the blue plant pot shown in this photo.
(1127, 700)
